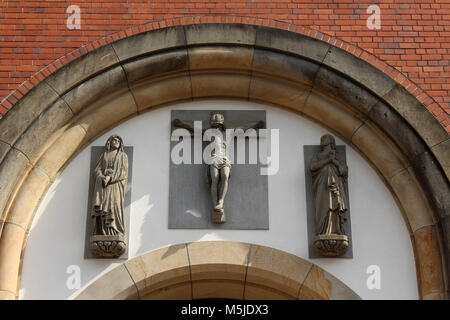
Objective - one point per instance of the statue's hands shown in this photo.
(343, 171)
(109, 172)
(106, 180)
(333, 154)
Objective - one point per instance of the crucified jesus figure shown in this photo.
(218, 171)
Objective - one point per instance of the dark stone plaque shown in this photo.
(190, 201)
(309, 152)
(95, 153)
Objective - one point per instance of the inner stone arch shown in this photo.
(236, 270)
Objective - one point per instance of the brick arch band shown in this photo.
(379, 118)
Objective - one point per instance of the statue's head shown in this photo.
(217, 120)
(327, 139)
(114, 142)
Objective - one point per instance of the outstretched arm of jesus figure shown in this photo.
(257, 125)
(181, 124)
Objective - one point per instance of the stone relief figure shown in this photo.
(110, 180)
(218, 172)
(329, 179)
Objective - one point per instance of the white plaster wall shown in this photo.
(380, 237)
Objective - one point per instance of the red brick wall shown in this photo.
(414, 36)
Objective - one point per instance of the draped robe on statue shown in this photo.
(329, 194)
(108, 201)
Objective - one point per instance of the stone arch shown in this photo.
(312, 78)
(217, 269)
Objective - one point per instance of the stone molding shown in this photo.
(217, 269)
(311, 78)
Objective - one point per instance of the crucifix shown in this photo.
(219, 169)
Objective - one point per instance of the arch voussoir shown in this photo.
(217, 269)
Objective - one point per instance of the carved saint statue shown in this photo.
(218, 172)
(110, 180)
(329, 179)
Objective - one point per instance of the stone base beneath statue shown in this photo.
(107, 246)
(332, 245)
(218, 217)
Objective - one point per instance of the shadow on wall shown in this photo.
(63, 241)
